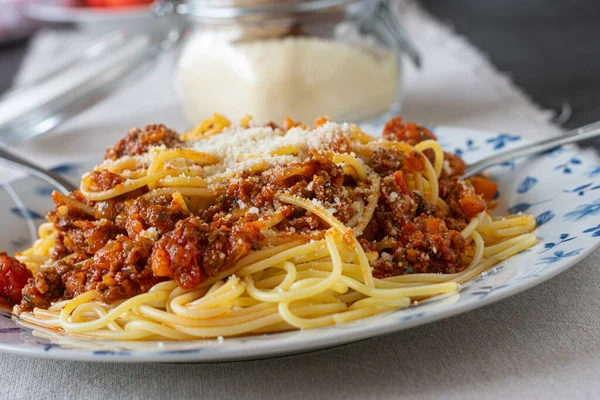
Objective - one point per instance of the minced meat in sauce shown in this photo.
(139, 141)
(133, 242)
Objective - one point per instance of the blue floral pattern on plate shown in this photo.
(544, 217)
(563, 238)
(558, 188)
(527, 184)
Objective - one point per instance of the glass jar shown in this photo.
(298, 58)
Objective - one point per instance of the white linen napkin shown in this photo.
(456, 86)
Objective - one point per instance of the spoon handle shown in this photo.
(13, 161)
(585, 132)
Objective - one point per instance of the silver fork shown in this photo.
(34, 109)
(41, 105)
(18, 163)
(585, 132)
(576, 135)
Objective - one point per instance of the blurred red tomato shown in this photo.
(95, 3)
(116, 3)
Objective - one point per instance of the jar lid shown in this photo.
(242, 8)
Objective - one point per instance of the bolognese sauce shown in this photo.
(123, 246)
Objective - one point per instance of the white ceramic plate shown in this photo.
(561, 188)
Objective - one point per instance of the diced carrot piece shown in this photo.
(484, 187)
(472, 205)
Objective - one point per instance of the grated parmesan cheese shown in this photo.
(268, 79)
(386, 256)
(150, 233)
(317, 202)
(240, 149)
(446, 167)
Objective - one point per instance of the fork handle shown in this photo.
(12, 160)
(585, 132)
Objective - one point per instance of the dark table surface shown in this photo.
(549, 48)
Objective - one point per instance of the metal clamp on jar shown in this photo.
(303, 59)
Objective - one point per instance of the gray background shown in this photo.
(544, 343)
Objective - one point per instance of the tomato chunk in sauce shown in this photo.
(14, 275)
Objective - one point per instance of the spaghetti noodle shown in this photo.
(228, 231)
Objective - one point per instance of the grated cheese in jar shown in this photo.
(299, 77)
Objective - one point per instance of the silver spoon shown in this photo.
(585, 132)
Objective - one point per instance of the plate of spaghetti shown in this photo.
(235, 241)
